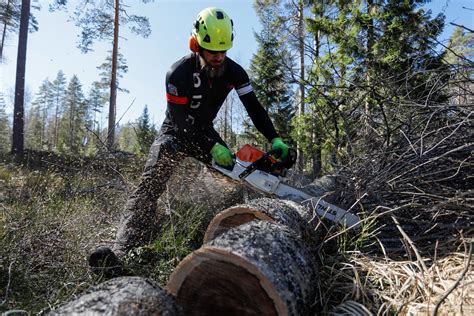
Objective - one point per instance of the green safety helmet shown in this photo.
(213, 30)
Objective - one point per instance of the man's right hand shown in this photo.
(222, 155)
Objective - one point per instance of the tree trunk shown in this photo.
(122, 296)
(259, 268)
(301, 106)
(290, 214)
(316, 140)
(56, 125)
(370, 43)
(19, 108)
(317, 159)
(113, 81)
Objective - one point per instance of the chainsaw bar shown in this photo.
(270, 184)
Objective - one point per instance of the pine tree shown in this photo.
(101, 21)
(34, 128)
(145, 133)
(105, 73)
(4, 126)
(379, 53)
(58, 90)
(97, 99)
(269, 76)
(37, 136)
(126, 137)
(18, 137)
(10, 13)
(72, 134)
(459, 56)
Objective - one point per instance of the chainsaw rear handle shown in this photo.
(287, 163)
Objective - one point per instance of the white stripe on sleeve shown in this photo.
(244, 89)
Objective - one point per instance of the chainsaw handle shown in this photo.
(254, 165)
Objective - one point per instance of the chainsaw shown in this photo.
(262, 172)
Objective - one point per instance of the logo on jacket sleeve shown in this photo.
(172, 89)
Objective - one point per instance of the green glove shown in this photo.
(222, 155)
(277, 143)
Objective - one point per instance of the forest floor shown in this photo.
(54, 210)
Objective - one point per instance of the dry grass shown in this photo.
(442, 285)
(412, 258)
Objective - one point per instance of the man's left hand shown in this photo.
(277, 143)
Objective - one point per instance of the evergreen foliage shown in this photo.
(97, 99)
(4, 126)
(37, 119)
(58, 88)
(101, 21)
(145, 133)
(127, 138)
(269, 77)
(105, 73)
(10, 12)
(460, 58)
(72, 132)
(379, 54)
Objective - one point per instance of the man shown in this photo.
(196, 87)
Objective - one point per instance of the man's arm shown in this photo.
(178, 103)
(257, 113)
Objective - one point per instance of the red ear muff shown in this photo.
(193, 44)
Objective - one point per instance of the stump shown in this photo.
(259, 268)
(122, 296)
(287, 213)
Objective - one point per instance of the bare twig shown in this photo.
(432, 160)
(466, 268)
(462, 26)
(412, 245)
(8, 283)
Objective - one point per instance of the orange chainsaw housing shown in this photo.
(251, 154)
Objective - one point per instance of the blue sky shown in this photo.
(53, 48)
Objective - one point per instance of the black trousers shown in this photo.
(140, 223)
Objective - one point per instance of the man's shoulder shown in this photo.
(237, 73)
(182, 65)
(234, 66)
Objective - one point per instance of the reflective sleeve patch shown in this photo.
(176, 100)
(244, 89)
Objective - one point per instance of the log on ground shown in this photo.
(290, 214)
(122, 296)
(259, 268)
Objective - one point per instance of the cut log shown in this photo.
(287, 213)
(258, 268)
(122, 296)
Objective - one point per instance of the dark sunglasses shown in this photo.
(214, 52)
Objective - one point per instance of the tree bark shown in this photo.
(19, 107)
(259, 268)
(301, 106)
(316, 140)
(290, 214)
(122, 296)
(113, 81)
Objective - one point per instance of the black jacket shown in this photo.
(193, 99)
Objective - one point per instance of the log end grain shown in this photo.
(258, 268)
(213, 281)
(233, 217)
